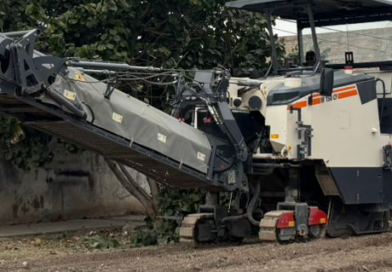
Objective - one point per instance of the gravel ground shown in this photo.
(71, 253)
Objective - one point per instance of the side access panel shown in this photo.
(360, 185)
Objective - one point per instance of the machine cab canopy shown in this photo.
(325, 12)
(320, 13)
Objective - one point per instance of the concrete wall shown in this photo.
(367, 45)
(72, 186)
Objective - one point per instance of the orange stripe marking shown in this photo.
(316, 101)
(347, 94)
(300, 105)
(345, 89)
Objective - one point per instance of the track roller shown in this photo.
(271, 229)
(281, 226)
(318, 221)
(197, 228)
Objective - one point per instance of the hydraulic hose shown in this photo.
(250, 210)
(252, 204)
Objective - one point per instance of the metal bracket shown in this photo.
(110, 88)
(301, 214)
(304, 149)
(349, 58)
(33, 72)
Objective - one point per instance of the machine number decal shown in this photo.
(338, 94)
(275, 136)
(69, 95)
(162, 138)
(201, 156)
(117, 117)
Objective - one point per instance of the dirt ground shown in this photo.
(85, 252)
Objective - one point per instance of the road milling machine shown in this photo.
(299, 153)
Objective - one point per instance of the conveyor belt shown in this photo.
(146, 161)
(48, 95)
(53, 121)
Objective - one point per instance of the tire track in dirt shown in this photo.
(328, 255)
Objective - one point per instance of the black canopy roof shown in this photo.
(326, 12)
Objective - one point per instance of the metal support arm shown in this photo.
(74, 62)
(314, 34)
(274, 53)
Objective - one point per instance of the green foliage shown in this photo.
(171, 33)
(173, 206)
(26, 149)
(99, 242)
(144, 238)
(175, 202)
(71, 148)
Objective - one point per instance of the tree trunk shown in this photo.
(150, 203)
(154, 190)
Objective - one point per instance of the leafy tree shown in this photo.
(171, 33)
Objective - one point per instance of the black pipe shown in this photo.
(252, 203)
(250, 209)
(234, 218)
(384, 94)
(66, 103)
